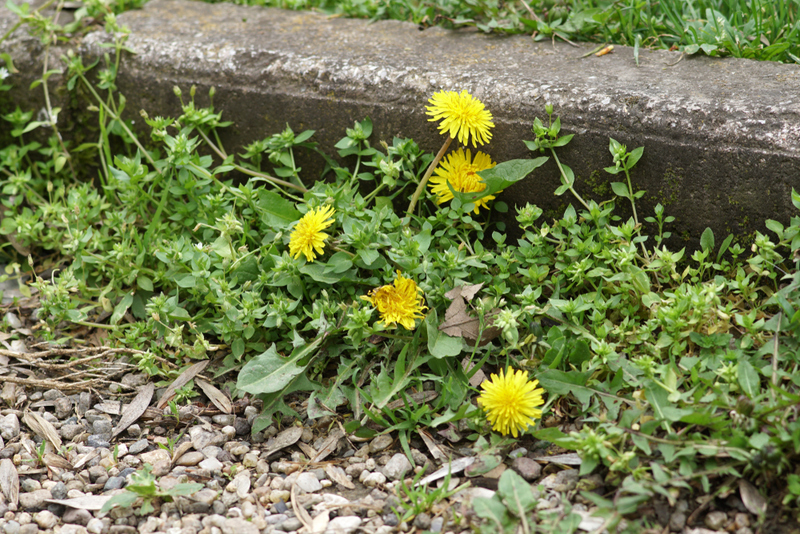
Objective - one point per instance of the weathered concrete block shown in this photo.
(721, 136)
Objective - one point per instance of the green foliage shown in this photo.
(143, 487)
(680, 365)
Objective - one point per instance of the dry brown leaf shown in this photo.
(752, 499)
(300, 512)
(307, 449)
(9, 481)
(284, 439)
(85, 459)
(328, 446)
(181, 381)
(467, 291)
(135, 409)
(337, 474)
(320, 523)
(459, 323)
(570, 458)
(43, 428)
(218, 398)
(55, 461)
(109, 407)
(433, 448)
(85, 502)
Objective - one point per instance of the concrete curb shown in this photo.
(721, 136)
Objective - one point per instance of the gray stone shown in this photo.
(102, 427)
(30, 528)
(343, 524)
(223, 419)
(11, 527)
(63, 406)
(202, 438)
(34, 500)
(45, 519)
(436, 524)
(98, 441)
(69, 432)
(29, 484)
(677, 520)
(95, 526)
(73, 529)
(397, 466)
(191, 458)
(211, 464)
(134, 379)
(219, 508)
(138, 446)
(52, 394)
(9, 426)
(59, 491)
(716, 520)
(237, 525)
(290, 525)
(114, 483)
(77, 516)
(528, 469)
(380, 443)
(308, 482)
(422, 521)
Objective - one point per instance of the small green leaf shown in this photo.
(501, 176)
(517, 493)
(275, 210)
(707, 240)
(144, 283)
(269, 371)
(440, 345)
(620, 189)
(748, 378)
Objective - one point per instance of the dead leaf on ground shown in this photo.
(433, 448)
(218, 398)
(328, 446)
(181, 381)
(300, 512)
(135, 409)
(337, 474)
(456, 466)
(180, 450)
(459, 323)
(109, 407)
(9, 481)
(752, 499)
(284, 439)
(570, 458)
(419, 397)
(84, 502)
(43, 428)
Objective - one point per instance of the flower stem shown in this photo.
(428, 173)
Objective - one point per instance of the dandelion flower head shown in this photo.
(463, 117)
(510, 401)
(308, 237)
(400, 302)
(461, 171)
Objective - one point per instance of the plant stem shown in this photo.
(248, 171)
(428, 173)
(566, 181)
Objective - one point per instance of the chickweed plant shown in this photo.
(369, 295)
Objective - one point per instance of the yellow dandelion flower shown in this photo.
(510, 401)
(401, 302)
(461, 171)
(463, 116)
(308, 237)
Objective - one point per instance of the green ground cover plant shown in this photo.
(672, 374)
